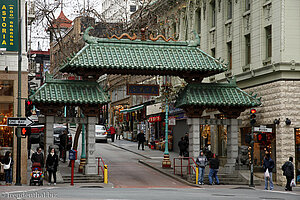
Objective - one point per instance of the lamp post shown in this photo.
(18, 167)
(83, 155)
(166, 163)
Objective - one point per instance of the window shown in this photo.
(213, 52)
(268, 41)
(6, 88)
(229, 54)
(247, 5)
(213, 13)
(132, 8)
(6, 132)
(247, 49)
(198, 20)
(229, 9)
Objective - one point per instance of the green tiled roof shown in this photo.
(71, 92)
(151, 56)
(215, 95)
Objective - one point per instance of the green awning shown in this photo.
(214, 95)
(69, 92)
(132, 109)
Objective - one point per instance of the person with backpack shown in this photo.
(288, 172)
(201, 162)
(268, 165)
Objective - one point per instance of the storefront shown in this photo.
(263, 142)
(297, 156)
(6, 110)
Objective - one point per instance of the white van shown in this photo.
(100, 133)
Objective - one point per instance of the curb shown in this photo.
(130, 151)
(169, 175)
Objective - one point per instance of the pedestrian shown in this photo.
(186, 138)
(119, 130)
(63, 145)
(268, 165)
(201, 161)
(51, 165)
(141, 139)
(288, 172)
(182, 147)
(7, 165)
(112, 131)
(37, 158)
(213, 169)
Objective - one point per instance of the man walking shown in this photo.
(63, 145)
(268, 164)
(201, 162)
(288, 172)
(112, 131)
(141, 139)
(182, 147)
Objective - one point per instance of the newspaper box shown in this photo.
(73, 155)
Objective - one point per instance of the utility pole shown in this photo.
(18, 172)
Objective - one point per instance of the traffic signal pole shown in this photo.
(18, 167)
(251, 164)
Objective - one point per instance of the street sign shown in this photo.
(19, 121)
(263, 129)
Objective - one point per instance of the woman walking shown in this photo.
(8, 163)
(51, 165)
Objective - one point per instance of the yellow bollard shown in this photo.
(197, 175)
(105, 178)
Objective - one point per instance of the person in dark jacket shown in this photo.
(213, 169)
(288, 172)
(8, 163)
(182, 147)
(63, 145)
(51, 165)
(38, 157)
(141, 139)
(201, 162)
(268, 164)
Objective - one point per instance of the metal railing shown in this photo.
(187, 166)
(100, 166)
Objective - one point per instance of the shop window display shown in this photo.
(205, 136)
(6, 133)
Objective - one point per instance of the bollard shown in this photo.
(197, 175)
(105, 178)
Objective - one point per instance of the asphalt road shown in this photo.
(126, 172)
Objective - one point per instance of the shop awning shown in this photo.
(132, 109)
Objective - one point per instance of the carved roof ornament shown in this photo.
(134, 37)
(195, 42)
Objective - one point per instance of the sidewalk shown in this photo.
(153, 159)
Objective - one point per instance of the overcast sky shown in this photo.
(71, 8)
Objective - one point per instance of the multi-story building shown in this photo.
(259, 41)
(118, 10)
(9, 44)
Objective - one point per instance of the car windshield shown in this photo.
(100, 128)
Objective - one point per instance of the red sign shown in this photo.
(154, 119)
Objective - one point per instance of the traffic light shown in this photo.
(28, 108)
(25, 131)
(261, 137)
(252, 117)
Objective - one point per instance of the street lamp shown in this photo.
(166, 163)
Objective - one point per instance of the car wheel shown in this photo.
(105, 141)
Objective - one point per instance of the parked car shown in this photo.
(57, 131)
(100, 133)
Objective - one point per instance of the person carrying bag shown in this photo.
(268, 165)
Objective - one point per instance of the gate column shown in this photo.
(232, 145)
(91, 165)
(49, 139)
(194, 137)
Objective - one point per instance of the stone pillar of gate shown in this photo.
(232, 145)
(194, 136)
(91, 164)
(48, 135)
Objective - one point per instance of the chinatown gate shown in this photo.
(133, 56)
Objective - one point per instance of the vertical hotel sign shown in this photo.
(9, 25)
